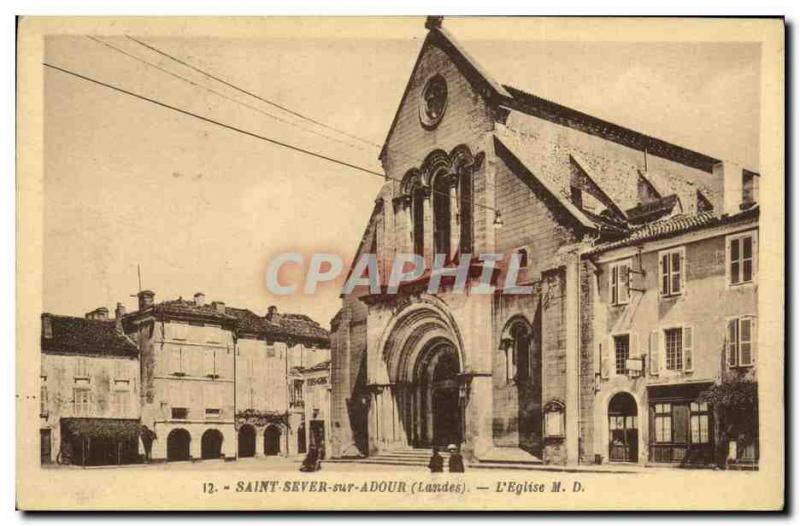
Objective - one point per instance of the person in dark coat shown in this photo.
(436, 464)
(311, 462)
(456, 463)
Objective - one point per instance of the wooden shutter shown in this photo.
(605, 357)
(624, 282)
(208, 362)
(663, 274)
(732, 341)
(754, 332)
(688, 355)
(654, 360)
(683, 271)
(746, 338)
(613, 284)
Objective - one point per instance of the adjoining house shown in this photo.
(270, 416)
(310, 406)
(178, 380)
(89, 399)
(618, 234)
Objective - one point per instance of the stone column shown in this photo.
(427, 214)
(455, 232)
(572, 398)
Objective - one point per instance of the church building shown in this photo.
(477, 167)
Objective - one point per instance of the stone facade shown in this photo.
(505, 376)
(89, 399)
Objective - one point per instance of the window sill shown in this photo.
(668, 297)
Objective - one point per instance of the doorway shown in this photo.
(623, 429)
(247, 441)
(272, 441)
(178, 442)
(211, 444)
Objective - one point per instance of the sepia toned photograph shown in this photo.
(412, 263)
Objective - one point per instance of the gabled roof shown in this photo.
(506, 147)
(498, 94)
(279, 326)
(188, 309)
(81, 336)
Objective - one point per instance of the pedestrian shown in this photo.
(436, 464)
(311, 462)
(456, 463)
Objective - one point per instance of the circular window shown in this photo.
(433, 102)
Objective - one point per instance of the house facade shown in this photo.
(475, 167)
(89, 398)
(270, 349)
(311, 401)
(674, 313)
(187, 368)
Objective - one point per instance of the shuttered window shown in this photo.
(741, 258)
(740, 342)
(619, 284)
(671, 270)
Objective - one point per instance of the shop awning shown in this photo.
(103, 428)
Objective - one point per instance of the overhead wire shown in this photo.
(240, 130)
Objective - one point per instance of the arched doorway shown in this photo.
(623, 429)
(211, 444)
(272, 441)
(178, 442)
(247, 441)
(441, 419)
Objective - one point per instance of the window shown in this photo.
(433, 101)
(442, 183)
(180, 413)
(418, 219)
(698, 422)
(741, 341)
(674, 345)
(741, 258)
(670, 266)
(270, 351)
(43, 401)
(81, 399)
(621, 353)
(119, 402)
(749, 188)
(82, 368)
(177, 362)
(662, 421)
(522, 254)
(297, 392)
(465, 211)
(620, 284)
(213, 413)
(210, 363)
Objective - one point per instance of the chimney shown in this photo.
(146, 299)
(47, 326)
(433, 22)
(730, 177)
(272, 310)
(199, 299)
(119, 313)
(100, 313)
(219, 306)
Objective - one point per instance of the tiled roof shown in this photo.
(672, 226)
(280, 326)
(653, 210)
(73, 335)
(189, 308)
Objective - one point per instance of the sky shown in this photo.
(202, 208)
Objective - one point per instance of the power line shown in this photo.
(408, 156)
(242, 131)
(210, 90)
(250, 93)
